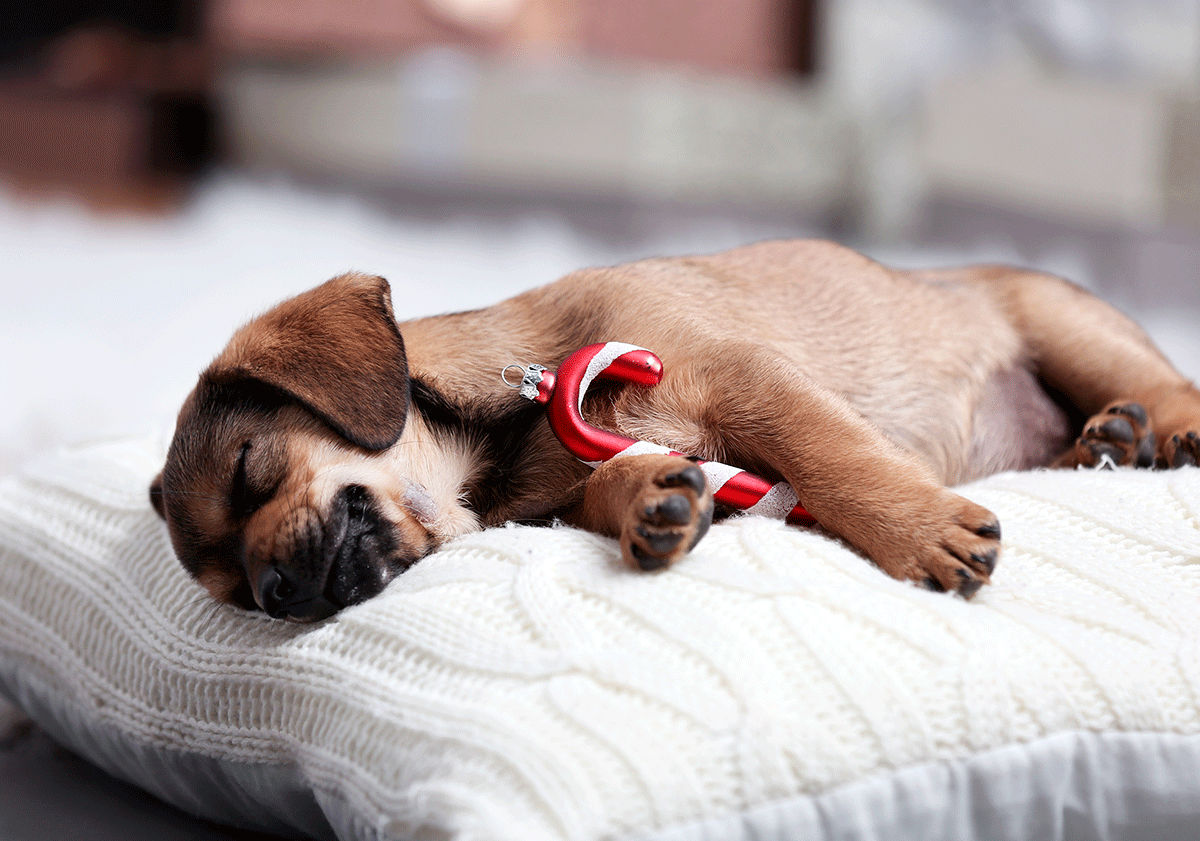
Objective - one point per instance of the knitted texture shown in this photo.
(521, 684)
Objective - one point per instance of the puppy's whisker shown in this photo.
(198, 600)
(214, 608)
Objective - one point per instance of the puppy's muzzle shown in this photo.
(336, 561)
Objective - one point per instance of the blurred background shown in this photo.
(170, 167)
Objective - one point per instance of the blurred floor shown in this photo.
(50, 793)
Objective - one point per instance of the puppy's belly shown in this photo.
(1016, 426)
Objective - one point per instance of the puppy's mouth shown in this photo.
(339, 560)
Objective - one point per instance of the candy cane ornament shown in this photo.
(562, 393)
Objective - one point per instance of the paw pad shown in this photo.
(671, 515)
(1118, 436)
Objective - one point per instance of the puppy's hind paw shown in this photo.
(1119, 436)
(668, 517)
(1181, 449)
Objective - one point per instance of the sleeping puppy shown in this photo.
(328, 448)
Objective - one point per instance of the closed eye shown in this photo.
(241, 498)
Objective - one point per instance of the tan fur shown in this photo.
(868, 389)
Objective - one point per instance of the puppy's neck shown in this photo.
(437, 469)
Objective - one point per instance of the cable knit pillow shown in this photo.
(520, 685)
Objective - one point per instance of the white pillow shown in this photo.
(520, 684)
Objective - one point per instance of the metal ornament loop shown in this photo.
(504, 374)
(531, 376)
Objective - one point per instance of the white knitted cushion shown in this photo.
(520, 684)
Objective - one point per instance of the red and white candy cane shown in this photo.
(562, 393)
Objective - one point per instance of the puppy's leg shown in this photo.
(658, 506)
(760, 412)
(1110, 369)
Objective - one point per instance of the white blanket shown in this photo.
(520, 684)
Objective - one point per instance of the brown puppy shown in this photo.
(326, 448)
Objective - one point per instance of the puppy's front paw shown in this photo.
(668, 517)
(945, 543)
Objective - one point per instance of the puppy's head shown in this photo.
(285, 487)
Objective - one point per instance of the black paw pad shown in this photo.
(1131, 410)
(676, 509)
(660, 542)
(1118, 429)
(1101, 450)
(702, 524)
(691, 476)
(1145, 451)
(645, 560)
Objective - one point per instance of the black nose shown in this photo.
(282, 596)
(337, 560)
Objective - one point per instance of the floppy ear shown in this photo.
(337, 350)
(156, 496)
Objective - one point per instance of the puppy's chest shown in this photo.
(524, 472)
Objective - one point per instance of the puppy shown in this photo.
(328, 448)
